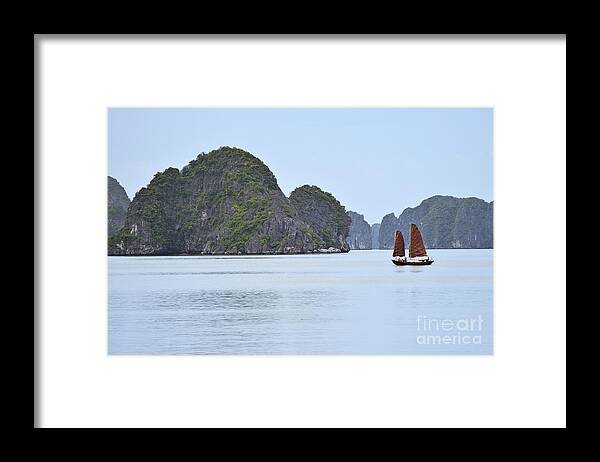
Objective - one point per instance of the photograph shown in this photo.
(246, 231)
(313, 231)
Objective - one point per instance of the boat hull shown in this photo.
(412, 263)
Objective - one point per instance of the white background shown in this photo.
(523, 384)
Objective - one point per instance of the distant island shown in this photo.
(228, 202)
(118, 203)
(446, 222)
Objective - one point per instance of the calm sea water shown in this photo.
(355, 303)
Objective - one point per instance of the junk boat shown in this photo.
(417, 255)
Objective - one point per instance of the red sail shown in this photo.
(417, 248)
(398, 244)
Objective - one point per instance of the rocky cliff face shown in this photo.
(226, 202)
(375, 235)
(389, 225)
(445, 222)
(359, 236)
(118, 203)
(324, 214)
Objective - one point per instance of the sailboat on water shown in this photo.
(417, 255)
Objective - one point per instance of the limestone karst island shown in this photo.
(228, 202)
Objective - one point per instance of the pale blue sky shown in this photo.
(375, 161)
